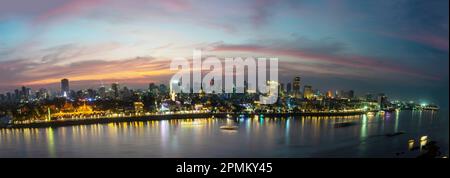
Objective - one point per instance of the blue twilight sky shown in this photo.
(399, 47)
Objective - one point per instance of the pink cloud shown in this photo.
(430, 40)
(72, 6)
(176, 5)
(352, 61)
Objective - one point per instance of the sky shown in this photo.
(396, 47)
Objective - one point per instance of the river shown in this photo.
(255, 136)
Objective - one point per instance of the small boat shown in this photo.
(344, 124)
(395, 134)
(229, 127)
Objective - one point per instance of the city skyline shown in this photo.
(227, 79)
(293, 88)
(396, 47)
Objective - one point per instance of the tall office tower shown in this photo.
(350, 94)
(308, 92)
(288, 88)
(153, 88)
(43, 94)
(162, 88)
(296, 87)
(9, 97)
(329, 94)
(17, 95)
(115, 89)
(337, 94)
(102, 92)
(65, 90)
(245, 86)
(25, 93)
(382, 101)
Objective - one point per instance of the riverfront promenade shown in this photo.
(101, 120)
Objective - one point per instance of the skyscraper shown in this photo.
(307, 92)
(65, 90)
(329, 94)
(296, 87)
(102, 91)
(288, 88)
(153, 88)
(115, 89)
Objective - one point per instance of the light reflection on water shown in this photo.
(255, 137)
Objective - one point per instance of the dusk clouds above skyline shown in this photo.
(395, 46)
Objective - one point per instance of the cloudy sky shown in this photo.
(399, 47)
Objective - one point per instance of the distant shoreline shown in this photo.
(72, 122)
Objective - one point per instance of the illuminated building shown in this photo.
(271, 83)
(42, 94)
(125, 93)
(138, 107)
(329, 94)
(162, 88)
(68, 110)
(173, 95)
(308, 92)
(337, 94)
(245, 86)
(296, 87)
(9, 97)
(349, 94)
(288, 88)
(102, 92)
(152, 88)
(17, 94)
(115, 89)
(382, 100)
(65, 87)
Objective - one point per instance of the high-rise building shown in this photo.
(42, 94)
(138, 107)
(350, 94)
(382, 100)
(296, 87)
(9, 97)
(115, 89)
(16, 94)
(338, 94)
(65, 90)
(125, 93)
(153, 88)
(308, 92)
(369, 97)
(329, 94)
(288, 88)
(162, 88)
(102, 92)
(25, 93)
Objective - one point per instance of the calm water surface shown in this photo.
(255, 137)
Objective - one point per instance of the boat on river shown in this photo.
(229, 127)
